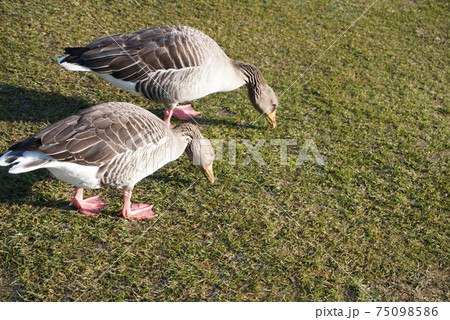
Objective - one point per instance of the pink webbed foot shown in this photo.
(139, 211)
(185, 112)
(135, 210)
(90, 207)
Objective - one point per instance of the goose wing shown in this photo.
(97, 134)
(132, 57)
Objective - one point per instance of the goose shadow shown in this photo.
(203, 120)
(16, 188)
(21, 104)
(212, 121)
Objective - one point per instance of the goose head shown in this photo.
(265, 102)
(198, 149)
(261, 95)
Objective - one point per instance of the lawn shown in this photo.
(358, 211)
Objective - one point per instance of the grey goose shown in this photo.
(112, 144)
(169, 65)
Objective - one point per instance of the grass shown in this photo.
(369, 224)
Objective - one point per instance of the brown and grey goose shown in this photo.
(171, 64)
(112, 144)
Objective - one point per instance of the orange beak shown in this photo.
(209, 173)
(272, 119)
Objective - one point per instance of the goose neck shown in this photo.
(253, 78)
(186, 132)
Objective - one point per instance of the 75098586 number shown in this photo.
(407, 311)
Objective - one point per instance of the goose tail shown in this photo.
(24, 161)
(69, 61)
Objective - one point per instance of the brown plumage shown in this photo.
(170, 64)
(112, 144)
(98, 134)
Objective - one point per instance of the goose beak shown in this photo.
(272, 119)
(209, 173)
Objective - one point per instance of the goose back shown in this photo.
(124, 142)
(168, 64)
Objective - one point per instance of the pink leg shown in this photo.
(90, 206)
(185, 112)
(167, 116)
(136, 210)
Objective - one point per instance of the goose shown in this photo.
(169, 65)
(111, 144)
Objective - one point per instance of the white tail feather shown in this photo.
(3, 159)
(28, 161)
(79, 175)
(72, 66)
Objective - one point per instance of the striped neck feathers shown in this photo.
(260, 93)
(198, 148)
(253, 78)
(188, 132)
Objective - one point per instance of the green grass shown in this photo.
(370, 224)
